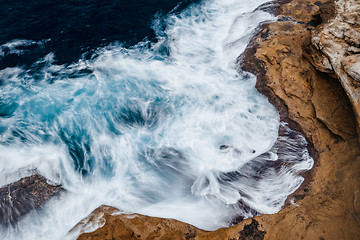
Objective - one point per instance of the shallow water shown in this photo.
(166, 127)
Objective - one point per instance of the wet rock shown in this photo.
(130, 226)
(108, 222)
(224, 147)
(310, 92)
(251, 232)
(273, 7)
(327, 204)
(19, 198)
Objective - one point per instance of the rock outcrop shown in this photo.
(114, 225)
(19, 198)
(310, 75)
(337, 43)
(302, 82)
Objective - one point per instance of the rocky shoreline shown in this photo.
(311, 100)
(307, 64)
(327, 205)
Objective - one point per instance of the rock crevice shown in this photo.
(337, 45)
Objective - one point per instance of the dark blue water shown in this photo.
(75, 28)
(71, 30)
(138, 105)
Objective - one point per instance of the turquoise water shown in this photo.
(165, 127)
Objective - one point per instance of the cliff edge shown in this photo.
(307, 64)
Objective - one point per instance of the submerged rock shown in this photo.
(19, 198)
(309, 96)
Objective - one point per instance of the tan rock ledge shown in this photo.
(319, 99)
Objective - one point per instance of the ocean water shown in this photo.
(139, 105)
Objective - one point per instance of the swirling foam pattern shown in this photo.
(166, 128)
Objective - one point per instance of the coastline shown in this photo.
(326, 204)
(310, 100)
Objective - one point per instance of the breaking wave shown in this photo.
(166, 128)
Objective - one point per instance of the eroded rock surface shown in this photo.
(339, 41)
(115, 225)
(131, 226)
(19, 198)
(304, 84)
(301, 79)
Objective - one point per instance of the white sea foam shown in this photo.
(179, 135)
(16, 46)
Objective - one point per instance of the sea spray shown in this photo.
(165, 128)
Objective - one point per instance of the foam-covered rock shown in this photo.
(19, 198)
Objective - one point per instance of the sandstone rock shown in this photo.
(353, 50)
(352, 18)
(328, 205)
(339, 40)
(318, 59)
(113, 224)
(352, 37)
(337, 116)
(351, 66)
(19, 198)
(302, 11)
(327, 10)
(329, 208)
(131, 226)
